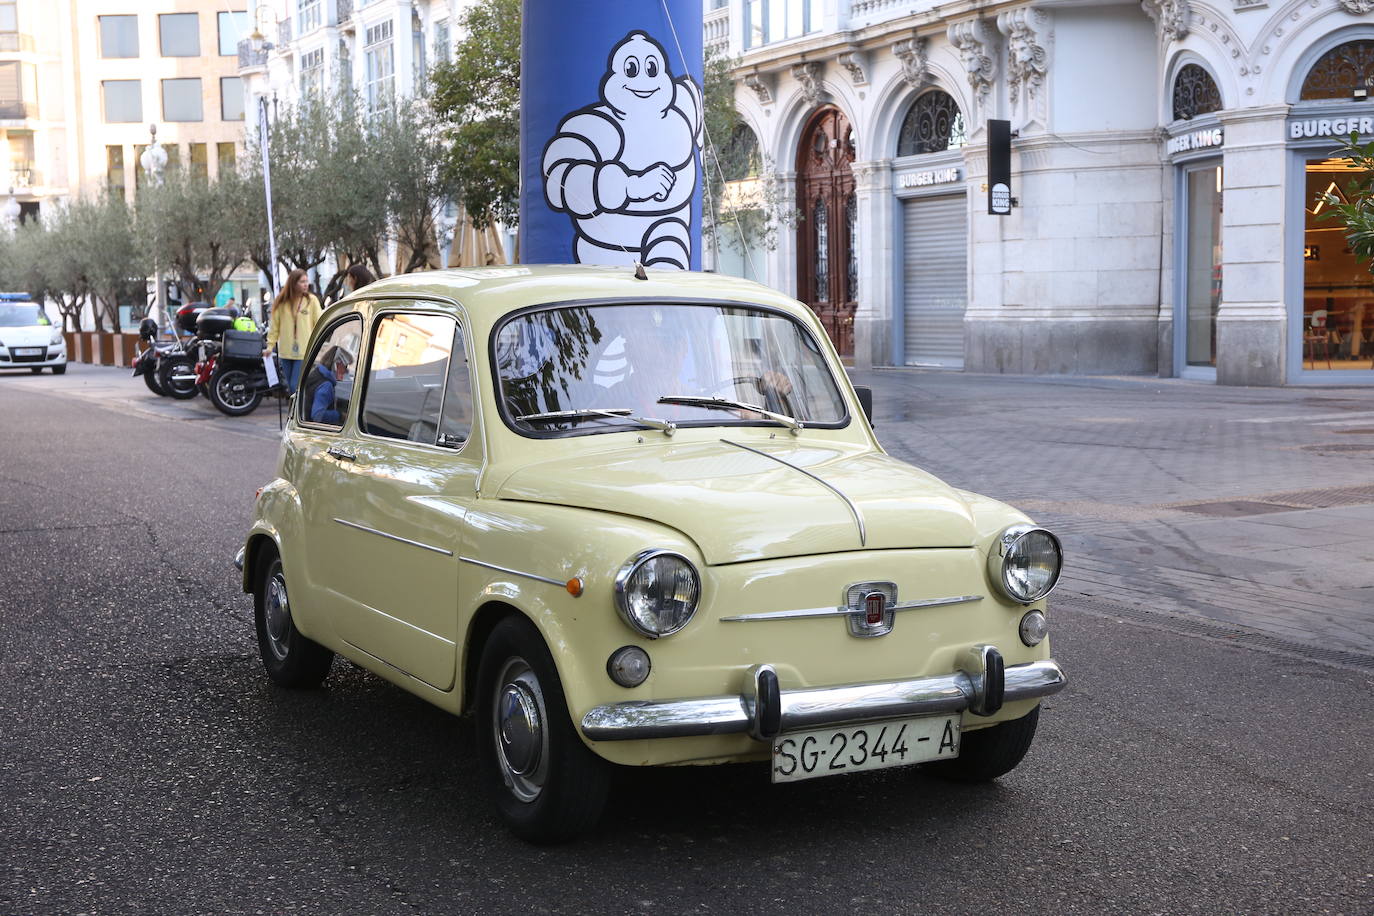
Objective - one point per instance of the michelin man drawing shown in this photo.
(625, 168)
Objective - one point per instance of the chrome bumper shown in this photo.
(764, 710)
(238, 558)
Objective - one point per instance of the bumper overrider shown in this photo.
(763, 710)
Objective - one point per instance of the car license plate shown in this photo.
(872, 746)
(28, 351)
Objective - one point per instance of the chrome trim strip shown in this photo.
(816, 706)
(844, 611)
(858, 519)
(515, 572)
(394, 537)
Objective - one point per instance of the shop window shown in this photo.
(1195, 93)
(1338, 291)
(933, 124)
(118, 36)
(181, 100)
(1202, 278)
(180, 34)
(1338, 73)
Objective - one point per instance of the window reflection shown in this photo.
(1338, 291)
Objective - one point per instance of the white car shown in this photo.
(29, 339)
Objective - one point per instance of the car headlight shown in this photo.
(656, 591)
(1024, 563)
(56, 337)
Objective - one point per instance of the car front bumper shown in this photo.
(52, 355)
(763, 710)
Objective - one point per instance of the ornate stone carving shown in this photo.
(1357, 7)
(1027, 57)
(1171, 16)
(978, 49)
(809, 75)
(915, 62)
(761, 89)
(853, 63)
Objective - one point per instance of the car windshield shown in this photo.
(606, 368)
(22, 315)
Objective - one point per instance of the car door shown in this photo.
(415, 475)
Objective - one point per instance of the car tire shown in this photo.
(989, 752)
(548, 786)
(59, 370)
(291, 660)
(166, 377)
(229, 391)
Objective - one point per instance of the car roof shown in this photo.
(490, 292)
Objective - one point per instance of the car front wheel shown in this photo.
(291, 660)
(989, 752)
(547, 785)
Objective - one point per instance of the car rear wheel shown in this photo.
(989, 752)
(291, 660)
(547, 785)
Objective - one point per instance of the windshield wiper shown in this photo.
(791, 423)
(616, 413)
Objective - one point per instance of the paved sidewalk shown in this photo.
(1242, 507)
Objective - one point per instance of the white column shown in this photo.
(877, 263)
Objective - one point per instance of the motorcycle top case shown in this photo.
(214, 322)
(242, 345)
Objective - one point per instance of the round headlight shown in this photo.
(656, 592)
(1024, 563)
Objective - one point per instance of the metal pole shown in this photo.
(267, 189)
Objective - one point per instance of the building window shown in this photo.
(173, 156)
(775, 20)
(1338, 291)
(1340, 71)
(307, 16)
(233, 28)
(443, 42)
(379, 62)
(180, 34)
(181, 100)
(1202, 270)
(9, 15)
(417, 51)
(228, 157)
(18, 90)
(118, 36)
(820, 217)
(123, 101)
(230, 98)
(312, 73)
(1195, 93)
(932, 125)
(114, 169)
(200, 163)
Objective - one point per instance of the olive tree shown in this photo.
(185, 224)
(108, 255)
(407, 139)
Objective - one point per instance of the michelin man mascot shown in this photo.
(625, 168)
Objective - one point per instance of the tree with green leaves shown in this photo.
(408, 140)
(1357, 210)
(185, 225)
(113, 264)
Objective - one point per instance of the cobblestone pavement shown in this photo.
(1243, 507)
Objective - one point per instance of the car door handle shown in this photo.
(341, 453)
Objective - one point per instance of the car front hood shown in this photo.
(772, 499)
(37, 336)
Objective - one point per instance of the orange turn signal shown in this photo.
(574, 586)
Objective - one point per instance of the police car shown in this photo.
(28, 337)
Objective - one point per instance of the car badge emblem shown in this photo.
(875, 603)
(870, 608)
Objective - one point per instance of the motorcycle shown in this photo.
(148, 362)
(223, 361)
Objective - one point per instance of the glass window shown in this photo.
(443, 42)
(933, 124)
(380, 65)
(180, 33)
(22, 315)
(181, 100)
(9, 16)
(312, 72)
(18, 90)
(200, 163)
(1195, 93)
(1338, 291)
(118, 36)
(326, 389)
(755, 23)
(233, 28)
(307, 16)
(123, 101)
(1341, 71)
(227, 156)
(406, 375)
(114, 169)
(230, 98)
(1203, 277)
(592, 369)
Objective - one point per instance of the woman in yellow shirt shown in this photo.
(294, 313)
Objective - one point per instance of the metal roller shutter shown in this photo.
(935, 274)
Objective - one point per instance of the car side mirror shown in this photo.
(866, 401)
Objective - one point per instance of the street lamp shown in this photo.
(154, 162)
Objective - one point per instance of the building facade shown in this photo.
(1167, 157)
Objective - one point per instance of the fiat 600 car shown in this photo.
(632, 518)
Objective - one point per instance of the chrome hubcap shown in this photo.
(522, 741)
(277, 614)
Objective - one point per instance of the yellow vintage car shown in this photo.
(637, 518)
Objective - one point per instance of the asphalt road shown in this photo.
(147, 766)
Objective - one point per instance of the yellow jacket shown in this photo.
(290, 329)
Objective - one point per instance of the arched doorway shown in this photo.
(827, 263)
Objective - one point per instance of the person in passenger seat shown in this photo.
(324, 381)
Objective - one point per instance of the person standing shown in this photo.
(294, 313)
(357, 276)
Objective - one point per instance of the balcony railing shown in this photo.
(17, 110)
(22, 175)
(283, 33)
(343, 11)
(716, 30)
(248, 58)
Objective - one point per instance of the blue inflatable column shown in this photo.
(611, 132)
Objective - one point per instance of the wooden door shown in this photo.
(827, 263)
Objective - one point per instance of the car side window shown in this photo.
(406, 374)
(326, 388)
(456, 423)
